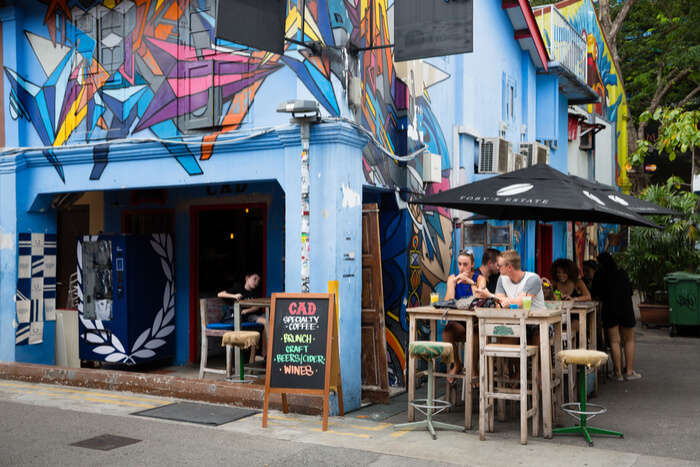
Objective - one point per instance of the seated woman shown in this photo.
(566, 279)
(459, 286)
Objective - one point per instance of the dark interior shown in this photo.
(231, 245)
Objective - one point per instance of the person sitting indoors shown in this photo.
(249, 289)
(459, 286)
(565, 279)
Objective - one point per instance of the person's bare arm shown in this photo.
(583, 290)
(451, 285)
(224, 294)
(481, 282)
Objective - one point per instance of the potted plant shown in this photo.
(652, 253)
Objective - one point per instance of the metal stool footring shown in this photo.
(429, 407)
(580, 412)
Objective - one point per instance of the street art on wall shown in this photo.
(602, 76)
(36, 286)
(109, 70)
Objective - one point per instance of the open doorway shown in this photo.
(227, 242)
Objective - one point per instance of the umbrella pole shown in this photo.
(537, 247)
(573, 242)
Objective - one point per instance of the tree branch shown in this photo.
(689, 96)
(620, 18)
(672, 80)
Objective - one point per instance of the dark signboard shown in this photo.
(255, 23)
(432, 28)
(299, 337)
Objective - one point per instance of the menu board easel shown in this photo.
(302, 352)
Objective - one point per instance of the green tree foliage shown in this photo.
(659, 49)
(653, 253)
(678, 133)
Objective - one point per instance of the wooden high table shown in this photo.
(587, 330)
(248, 303)
(551, 387)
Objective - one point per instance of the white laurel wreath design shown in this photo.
(151, 338)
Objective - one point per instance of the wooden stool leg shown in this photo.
(492, 407)
(535, 395)
(482, 390)
(228, 361)
(523, 399)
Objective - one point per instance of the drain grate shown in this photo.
(106, 442)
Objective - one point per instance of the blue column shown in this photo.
(8, 262)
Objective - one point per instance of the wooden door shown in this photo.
(544, 258)
(375, 374)
(71, 224)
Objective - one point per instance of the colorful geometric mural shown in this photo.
(109, 70)
(602, 76)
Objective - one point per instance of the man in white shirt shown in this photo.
(514, 283)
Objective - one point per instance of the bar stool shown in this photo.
(242, 340)
(429, 351)
(506, 323)
(581, 411)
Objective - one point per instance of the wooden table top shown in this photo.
(429, 309)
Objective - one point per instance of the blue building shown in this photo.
(130, 117)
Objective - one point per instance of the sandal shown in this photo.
(633, 376)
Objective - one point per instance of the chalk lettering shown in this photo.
(297, 338)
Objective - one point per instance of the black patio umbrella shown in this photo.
(535, 193)
(632, 203)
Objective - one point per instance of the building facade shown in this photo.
(131, 117)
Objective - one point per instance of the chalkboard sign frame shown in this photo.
(332, 354)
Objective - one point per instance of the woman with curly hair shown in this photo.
(566, 279)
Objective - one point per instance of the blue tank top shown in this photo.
(463, 290)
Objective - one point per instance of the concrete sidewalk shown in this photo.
(658, 415)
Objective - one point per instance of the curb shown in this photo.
(221, 392)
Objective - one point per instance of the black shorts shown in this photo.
(252, 316)
(618, 317)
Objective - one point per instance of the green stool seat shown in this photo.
(429, 351)
(581, 410)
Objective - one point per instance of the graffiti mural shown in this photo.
(602, 76)
(105, 71)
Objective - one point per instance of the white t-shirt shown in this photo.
(531, 284)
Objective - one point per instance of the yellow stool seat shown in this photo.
(590, 358)
(243, 339)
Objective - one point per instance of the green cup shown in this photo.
(527, 302)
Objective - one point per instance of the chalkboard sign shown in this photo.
(299, 343)
(302, 349)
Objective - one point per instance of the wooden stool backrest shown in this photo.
(499, 322)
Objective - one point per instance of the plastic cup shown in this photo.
(434, 297)
(527, 302)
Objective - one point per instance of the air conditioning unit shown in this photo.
(535, 153)
(432, 167)
(495, 156)
(519, 161)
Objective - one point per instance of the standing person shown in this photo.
(249, 289)
(514, 283)
(565, 279)
(612, 287)
(459, 286)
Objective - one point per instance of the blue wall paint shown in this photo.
(8, 264)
